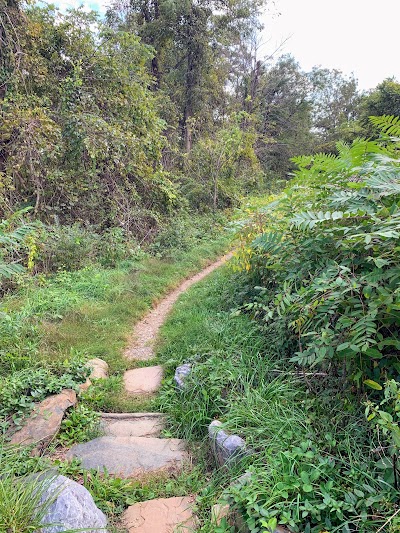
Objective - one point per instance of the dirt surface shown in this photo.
(145, 331)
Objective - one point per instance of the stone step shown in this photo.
(143, 381)
(130, 456)
(165, 515)
(132, 424)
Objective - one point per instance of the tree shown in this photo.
(223, 166)
(192, 41)
(283, 112)
(336, 102)
(383, 100)
(80, 120)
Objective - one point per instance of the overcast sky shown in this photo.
(359, 36)
(355, 36)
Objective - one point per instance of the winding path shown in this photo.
(146, 331)
(132, 445)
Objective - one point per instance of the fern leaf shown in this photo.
(388, 124)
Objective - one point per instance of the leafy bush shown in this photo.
(310, 491)
(184, 232)
(222, 168)
(327, 260)
(67, 248)
(22, 389)
(17, 245)
(80, 425)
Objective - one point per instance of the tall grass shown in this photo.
(310, 444)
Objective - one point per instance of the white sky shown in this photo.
(355, 36)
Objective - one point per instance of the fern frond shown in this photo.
(388, 124)
(307, 220)
(270, 243)
(9, 270)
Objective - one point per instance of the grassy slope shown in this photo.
(90, 313)
(296, 427)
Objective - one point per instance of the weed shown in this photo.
(81, 425)
(311, 466)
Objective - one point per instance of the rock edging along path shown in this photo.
(146, 330)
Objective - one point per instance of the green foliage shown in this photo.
(336, 106)
(75, 247)
(383, 100)
(185, 232)
(80, 425)
(17, 245)
(21, 489)
(223, 167)
(283, 116)
(388, 124)
(313, 492)
(20, 506)
(312, 466)
(82, 120)
(330, 260)
(19, 391)
(385, 414)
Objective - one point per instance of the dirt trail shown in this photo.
(145, 331)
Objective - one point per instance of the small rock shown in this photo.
(227, 448)
(141, 381)
(181, 373)
(99, 368)
(86, 385)
(72, 508)
(45, 420)
(219, 512)
(130, 456)
(164, 515)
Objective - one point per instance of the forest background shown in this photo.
(162, 107)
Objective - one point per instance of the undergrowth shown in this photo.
(50, 326)
(315, 465)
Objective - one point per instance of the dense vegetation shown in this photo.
(125, 144)
(312, 381)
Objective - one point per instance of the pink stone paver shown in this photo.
(141, 381)
(165, 515)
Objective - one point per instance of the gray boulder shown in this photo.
(226, 448)
(72, 507)
(181, 373)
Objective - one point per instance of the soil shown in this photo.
(145, 332)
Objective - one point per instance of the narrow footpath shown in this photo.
(132, 445)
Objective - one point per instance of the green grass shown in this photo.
(90, 313)
(48, 326)
(310, 441)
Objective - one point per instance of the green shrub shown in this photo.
(19, 391)
(67, 248)
(80, 425)
(184, 232)
(327, 261)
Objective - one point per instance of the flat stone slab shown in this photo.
(132, 424)
(165, 515)
(45, 420)
(130, 456)
(141, 381)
